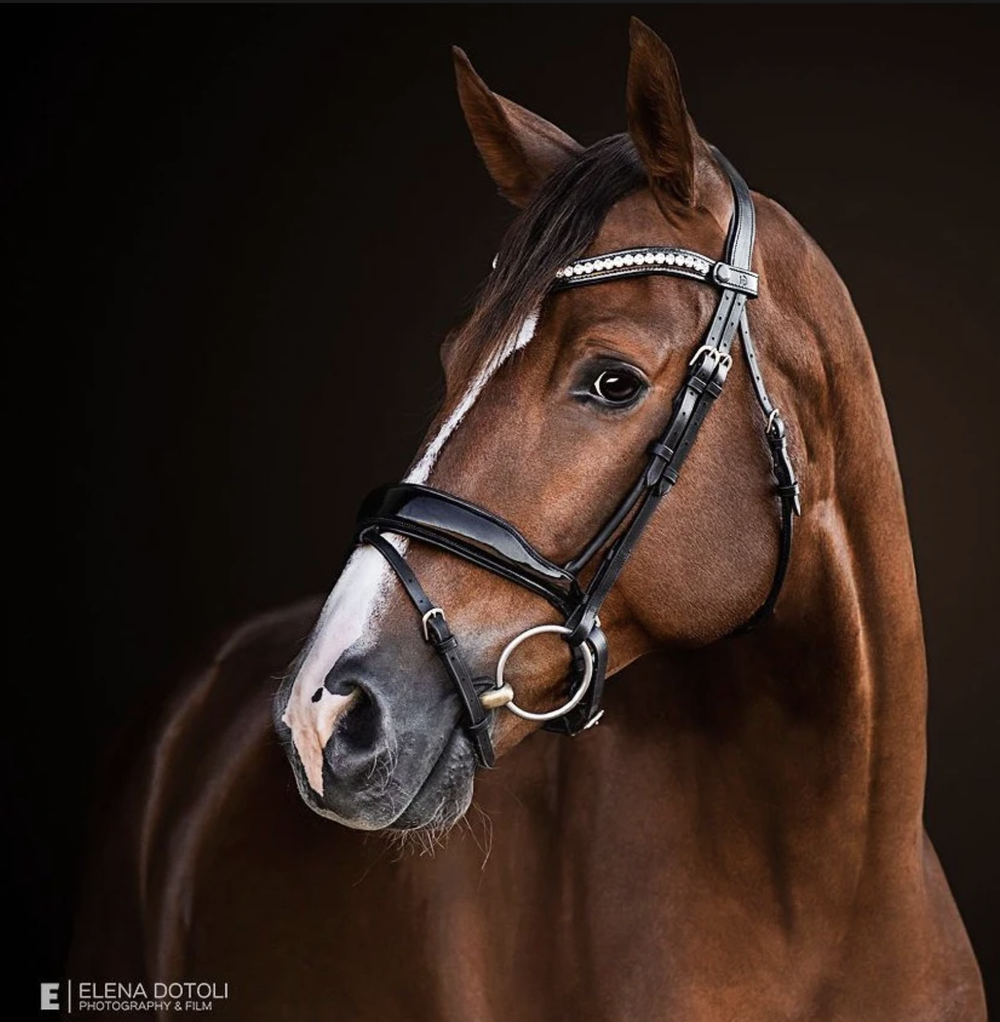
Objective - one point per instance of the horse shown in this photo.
(741, 835)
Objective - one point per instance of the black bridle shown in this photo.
(474, 534)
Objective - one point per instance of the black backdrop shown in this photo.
(236, 235)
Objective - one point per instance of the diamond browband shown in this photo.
(638, 262)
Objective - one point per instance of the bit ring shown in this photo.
(574, 699)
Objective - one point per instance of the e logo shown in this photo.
(50, 997)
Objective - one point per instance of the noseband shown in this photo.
(443, 520)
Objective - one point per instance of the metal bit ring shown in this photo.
(574, 699)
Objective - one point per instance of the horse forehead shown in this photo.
(633, 221)
(637, 221)
(637, 312)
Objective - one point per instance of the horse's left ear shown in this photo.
(520, 149)
(662, 131)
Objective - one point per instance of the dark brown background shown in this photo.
(237, 235)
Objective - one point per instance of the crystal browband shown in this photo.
(638, 262)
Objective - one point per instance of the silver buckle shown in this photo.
(704, 349)
(772, 419)
(433, 612)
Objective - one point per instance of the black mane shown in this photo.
(555, 227)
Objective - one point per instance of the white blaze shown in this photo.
(350, 615)
(420, 472)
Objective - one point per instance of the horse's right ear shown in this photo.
(520, 149)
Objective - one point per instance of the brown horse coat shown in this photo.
(740, 838)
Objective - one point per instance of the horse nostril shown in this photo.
(359, 730)
(359, 727)
(339, 684)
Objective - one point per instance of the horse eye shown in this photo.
(617, 386)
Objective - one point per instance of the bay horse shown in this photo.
(742, 836)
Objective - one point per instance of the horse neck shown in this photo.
(847, 643)
(805, 738)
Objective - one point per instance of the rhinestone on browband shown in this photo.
(636, 262)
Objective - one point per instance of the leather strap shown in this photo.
(743, 223)
(774, 429)
(739, 251)
(439, 635)
(787, 487)
(753, 364)
(703, 385)
(763, 612)
(588, 711)
(689, 410)
(561, 597)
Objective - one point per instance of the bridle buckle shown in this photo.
(775, 424)
(721, 357)
(425, 620)
(705, 349)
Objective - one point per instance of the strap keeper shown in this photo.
(480, 725)
(784, 471)
(667, 479)
(583, 624)
(735, 279)
(661, 455)
(445, 644)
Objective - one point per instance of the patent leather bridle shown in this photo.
(445, 521)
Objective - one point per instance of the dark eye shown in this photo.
(618, 386)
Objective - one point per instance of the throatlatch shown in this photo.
(445, 521)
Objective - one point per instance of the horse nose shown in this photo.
(360, 736)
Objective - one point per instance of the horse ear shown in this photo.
(520, 149)
(658, 121)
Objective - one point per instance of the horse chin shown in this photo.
(446, 793)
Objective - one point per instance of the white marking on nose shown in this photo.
(348, 609)
(350, 614)
(420, 472)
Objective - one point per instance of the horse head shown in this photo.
(549, 442)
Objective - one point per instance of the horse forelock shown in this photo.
(554, 228)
